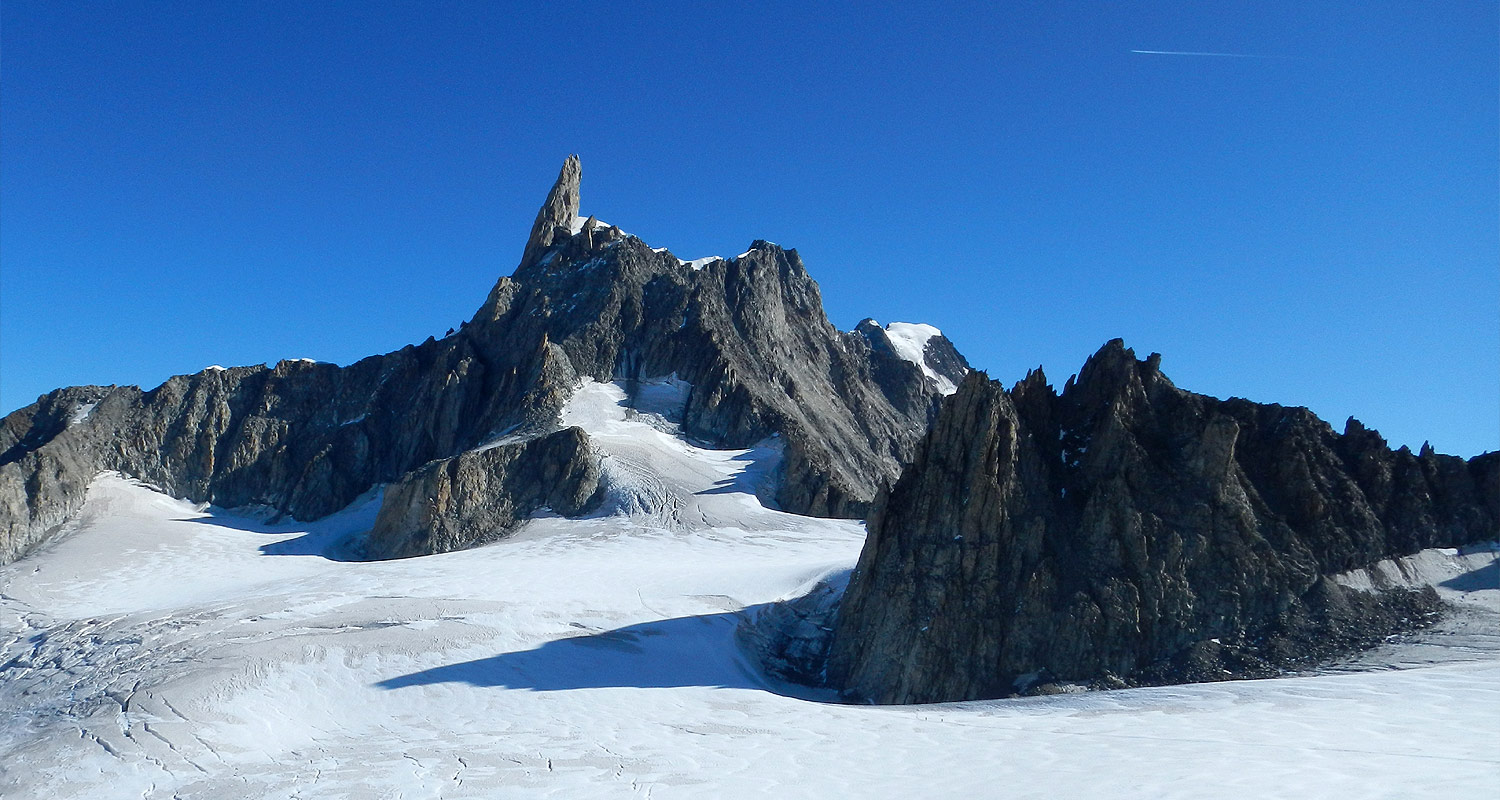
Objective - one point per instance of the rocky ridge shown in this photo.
(306, 438)
(1125, 531)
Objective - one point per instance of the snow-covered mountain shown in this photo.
(159, 648)
(595, 543)
(747, 336)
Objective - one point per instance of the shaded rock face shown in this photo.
(1127, 531)
(307, 438)
(481, 495)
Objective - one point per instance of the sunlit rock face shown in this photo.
(1127, 531)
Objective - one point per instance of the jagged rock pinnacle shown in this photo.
(560, 209)
(1127, 531)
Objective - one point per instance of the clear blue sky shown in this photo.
(198, 183)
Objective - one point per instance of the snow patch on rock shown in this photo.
(82, 412)
(700, 263)
(909, 340)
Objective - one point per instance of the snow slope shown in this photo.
(909, 340)
(162, 650)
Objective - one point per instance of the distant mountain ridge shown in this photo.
(748, 333)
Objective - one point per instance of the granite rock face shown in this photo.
(481, 495)
(1126, 531)
(558, 212)
(40, 487)
(748, 333)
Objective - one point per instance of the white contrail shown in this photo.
(1193, 53)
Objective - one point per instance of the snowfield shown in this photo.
(164, 650)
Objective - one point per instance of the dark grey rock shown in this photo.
(1127, 531)
(481, 495)
(40, 487)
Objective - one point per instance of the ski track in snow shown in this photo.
(160, 650)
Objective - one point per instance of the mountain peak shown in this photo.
(560, 210)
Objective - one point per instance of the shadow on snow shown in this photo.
(670, 653)
(1486, 577)
(335, 539)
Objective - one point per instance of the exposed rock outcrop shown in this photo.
(306, 438)
(1126, 531)
(40, 487)
(481, 495)
(555, 218)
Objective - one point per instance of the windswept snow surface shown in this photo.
(162, 650)
(909, 340)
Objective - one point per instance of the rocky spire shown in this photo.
(750, 335)
(561, 209)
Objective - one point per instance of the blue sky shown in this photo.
(232, 183)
